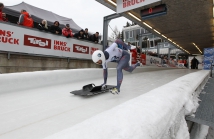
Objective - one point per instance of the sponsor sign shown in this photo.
(61, 46)
(80, 49)
(14, 38)
(208, 58)
(143, 59)
(6, 37)
(127, 5)
(37, 42)
(93, 49)
(151, 60)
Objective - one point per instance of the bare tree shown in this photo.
(115, 33)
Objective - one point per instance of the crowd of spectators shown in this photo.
(26, 20)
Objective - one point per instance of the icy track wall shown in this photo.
(28, 80)
(158, 114)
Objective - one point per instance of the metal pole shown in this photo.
(147, 47)
(140, 42)
(158, 50)
(106, 21)
(169, 51)
(211, 69)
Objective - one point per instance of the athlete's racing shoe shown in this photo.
(139, 64)
(114, 91)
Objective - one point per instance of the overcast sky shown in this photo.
(85, 13)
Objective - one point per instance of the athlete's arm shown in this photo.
(105, 72)
(112, 47)
(105, 75)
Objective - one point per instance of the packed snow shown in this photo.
(158, 114)
(38, 105)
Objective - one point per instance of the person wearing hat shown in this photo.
(67, 32)
(79, 35)
(86, 35)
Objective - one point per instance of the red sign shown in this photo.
(143, 59)
(93, 49)
(37, 42)
(80, 49)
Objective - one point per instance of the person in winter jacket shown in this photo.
(95, 37)
(67, 32)
(86, 35)
(79, 35)
(43, 25)
(2, 15)
(55, 28)
(25, 19)
(4, 18)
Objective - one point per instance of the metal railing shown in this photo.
(211, 69)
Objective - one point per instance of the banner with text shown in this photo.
(208, 58)
(23, 40)
(127, 5)
(152, 61)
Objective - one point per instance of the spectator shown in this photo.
(43, 25)
(185, 63)
(25, 19)
(4, 18)
(67, 32)
(129, 46)
(1, 14)
(194, 63)
(138, 53)
(80, 34)
(55, 28)
(86, 35)
(95, 37)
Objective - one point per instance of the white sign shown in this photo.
(127, 5)
(18, 39)
(152, 61)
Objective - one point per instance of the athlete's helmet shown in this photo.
(98, 55)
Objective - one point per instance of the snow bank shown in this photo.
(158, 114)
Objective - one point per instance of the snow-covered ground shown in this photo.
(140, 111)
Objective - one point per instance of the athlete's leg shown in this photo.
(122, 45)
(124, 62)
(132, 67)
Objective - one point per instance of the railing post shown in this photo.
(211, 69)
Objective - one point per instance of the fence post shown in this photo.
(211, 69)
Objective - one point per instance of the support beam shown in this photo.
(140, 42)
(169, 51)
(8, 55)
(106, 21)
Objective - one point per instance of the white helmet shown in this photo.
(98, 55)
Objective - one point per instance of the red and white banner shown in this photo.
(127, 5)
(14, 38)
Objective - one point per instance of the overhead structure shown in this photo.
(188, 25)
